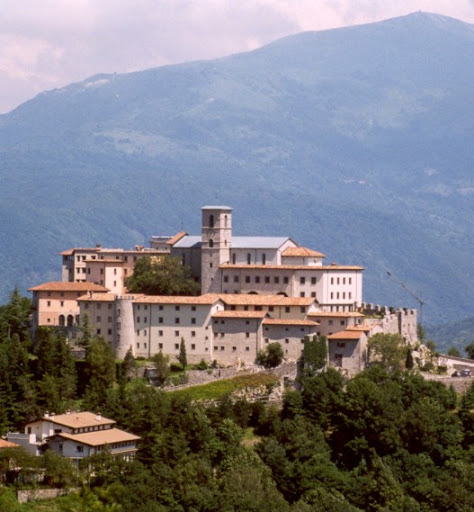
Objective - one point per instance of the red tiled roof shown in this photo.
(209, 298)
(243, 299)
(302, 252)
(346, 335)
(8, 444)
(289, 321)
(239, 314)
(176, 238)
(336, 314)
(101, 437)
(66, 286)
(291, 267)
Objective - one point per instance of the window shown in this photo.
(332, 295)
(98, 319)
(138, 345)
(302, 280)
(337, 295)
(247, 335)
(285, 280)
(247, 279)
(144, 332)
(109, 319)
(145, 319)
(193, 308)
(343, 322)
(211, 243)
(264, 258)
(176, 308)
(350, 280)
(343, 280)
(138, 319)
(160, 308)
(313, 294)
(249, 258)
(79, 449)
(287, 340)
(109, 331)
(236, 279)
(257, 279)
(193, 346)
(233, 258)
(48, 303)
(287, 309)
(176, 320)
(234, 349)
(98, 331)
(276, 280)
(160, 346)
(343, 295)
(176, 346)
(193, 321)
(302, 309)
(211, 221)
(160, 333)
(247, 349)
(193, 334)
(302, 294)
(176, 333)
(160, 320)
(330, 322)
(350, 295)
(267, 279)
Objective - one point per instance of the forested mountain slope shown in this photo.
(356, 142)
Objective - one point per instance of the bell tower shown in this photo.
(216, 240)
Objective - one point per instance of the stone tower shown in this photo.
(215, 245)
(124, 332)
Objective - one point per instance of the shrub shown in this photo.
(176, 367)
(202, 365)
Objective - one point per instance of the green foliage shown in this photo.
(162, 275)
(162, 366)
(15, 317)
(409, 362)
(453, 351)
(315, 353)
(182, 357)
(99, 373)
(387, 350)
(470, 350)
(272, 356)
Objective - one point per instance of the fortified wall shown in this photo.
(401, 321)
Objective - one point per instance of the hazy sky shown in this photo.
(46, 44)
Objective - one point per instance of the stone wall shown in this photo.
(401, 321)
(41, 494)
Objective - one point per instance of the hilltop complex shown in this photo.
(255, 290)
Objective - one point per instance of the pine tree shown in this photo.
(182, 358)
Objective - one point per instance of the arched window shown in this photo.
(61, 321)
(70, 320)
(225, 220)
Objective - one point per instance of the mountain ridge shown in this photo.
(357, 146)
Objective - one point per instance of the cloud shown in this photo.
(51, 43)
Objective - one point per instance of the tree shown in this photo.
(162, 367)
(453, 351)
(470, 350)
(162, 275)
(388, 350)
(99, 371)
(315, 353)
(182, 358)
(15, 317)
(409, 363)
(271, 357)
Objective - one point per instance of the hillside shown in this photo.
(355, 142)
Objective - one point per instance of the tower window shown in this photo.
(211, 221)
(211, 243)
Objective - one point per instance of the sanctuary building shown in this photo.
(255, 290)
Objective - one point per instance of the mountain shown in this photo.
(453, 334)
(356, 142)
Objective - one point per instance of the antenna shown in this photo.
(413, 294)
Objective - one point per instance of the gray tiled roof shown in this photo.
(238, 242)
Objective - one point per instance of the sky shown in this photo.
(47, 44)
